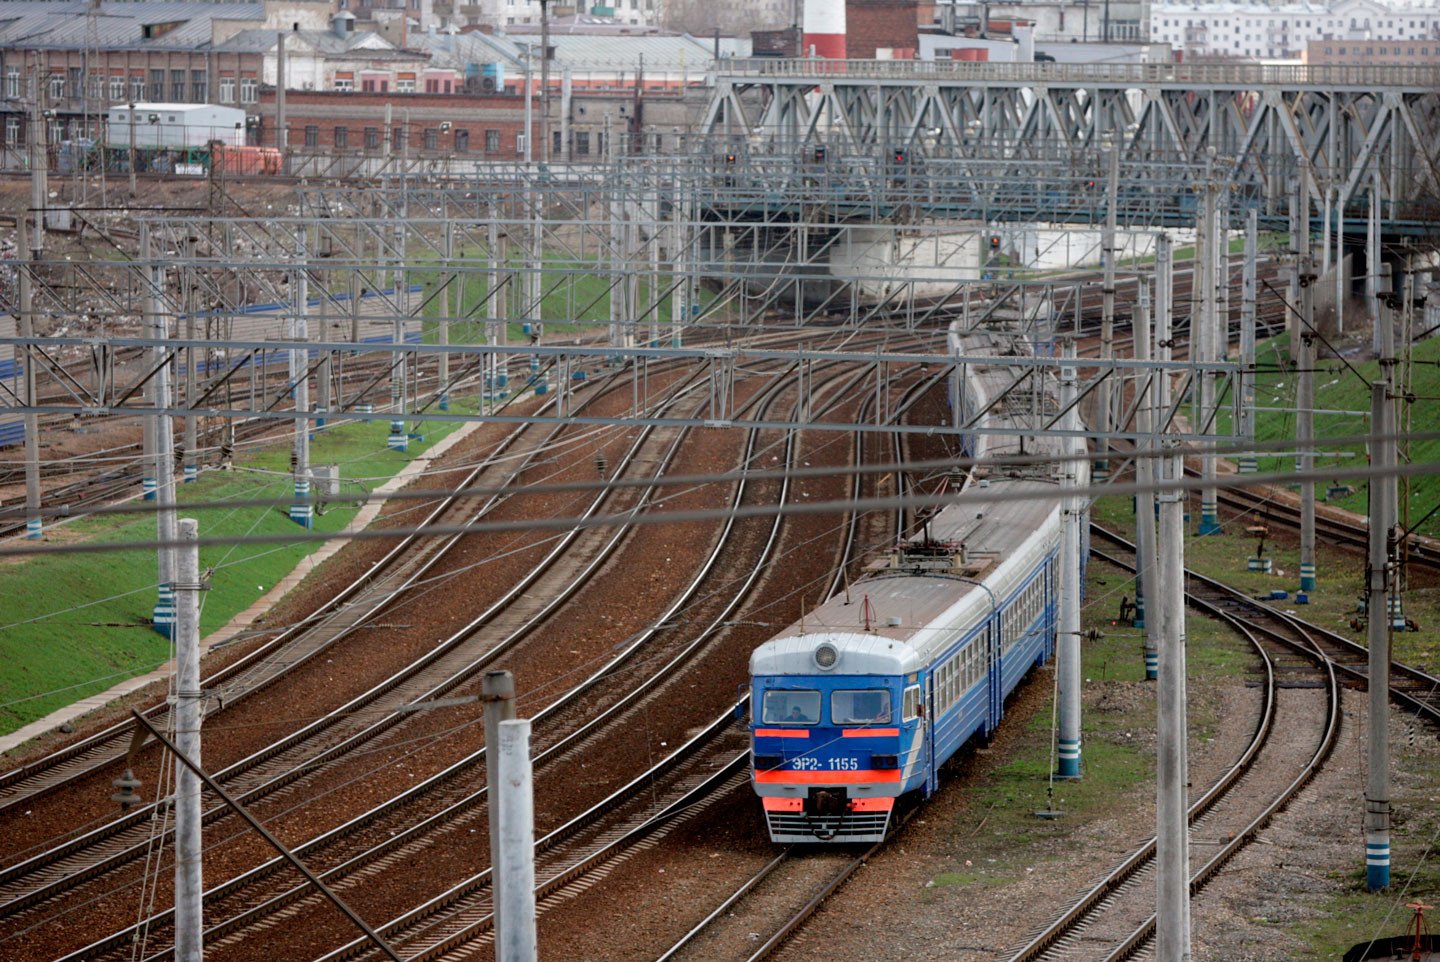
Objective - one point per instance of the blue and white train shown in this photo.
(862, 701)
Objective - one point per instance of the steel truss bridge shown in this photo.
(1030, 142)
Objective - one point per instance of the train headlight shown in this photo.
(826, 656)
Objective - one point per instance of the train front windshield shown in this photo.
(789, 706)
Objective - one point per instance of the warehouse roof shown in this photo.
(64, 24)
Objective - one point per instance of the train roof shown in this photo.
(912, 613)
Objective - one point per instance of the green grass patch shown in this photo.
(1342, 400)
(52, 654)
(1118, 724)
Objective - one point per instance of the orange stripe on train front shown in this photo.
(782, 733)
(783, 804)
(780, 777)
(870, 733)
(867, 804)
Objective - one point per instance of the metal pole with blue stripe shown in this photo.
(1377, 783)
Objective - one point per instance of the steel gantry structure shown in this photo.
(981, 129)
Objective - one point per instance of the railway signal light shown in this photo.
(730, 160)
(899, 156)
(819, 155)
(994, 242)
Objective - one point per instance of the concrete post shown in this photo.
(398, 440)
(1305, 429)
(189, 703)
(164, 612)
(499, 376)
(1203, 342)
(301, 511)
(282, 130)
(34, 527)
(515, 936)
(1172, 891)
(1377, 783)
(678, 303)
(1147, 584)
(498, 690)
(1103, 393)
(1067, 641)
(1372, 261)
(442, 323)
(1245, 389)
(191, 465)
(323, 373)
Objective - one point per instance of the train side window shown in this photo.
(911, 707)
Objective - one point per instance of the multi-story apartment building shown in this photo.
(1265, 32)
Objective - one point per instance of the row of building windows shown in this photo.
(174, 86)
(430, 137)
(1382, 51)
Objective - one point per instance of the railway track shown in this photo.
(1297, 729)
(468, 809)
(1420, 551)
(1412, 689)
(362, 820)
(355, 723)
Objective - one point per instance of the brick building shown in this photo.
(881, 24)
(1377, 53)
(126, 52)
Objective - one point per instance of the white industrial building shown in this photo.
(1257, 31)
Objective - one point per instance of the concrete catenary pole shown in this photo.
(498, 690)
(34, 527)
(1147, 584)
(155, 326)
(282, 131)
(1377, 783)
(515, 936)
(191, 465)
(398, 439)
(1067, 641)
(447, 311)
(1203, 342)
(1103, 393)
(301, 511)
(1245, 394)
(1172, 852)
(189, 705)
(1305, 427)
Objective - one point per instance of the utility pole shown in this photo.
(498, 691)
(498, 380)
(398, 440)
(34, 526)
(282, 131)
(514, 874)
(302, 512)
(544, 80)
(442, 324)
(189, 704)
(1245, 388)
(133, 152)
(1103, 393)
(1172, 852)
(1202, 341)
(1305, 388)
(164, 614)
(1147, 583)
(1067, 642)
(1305, 428)
(187, 300)
(1377, 594)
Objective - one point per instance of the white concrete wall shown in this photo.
(881, 260)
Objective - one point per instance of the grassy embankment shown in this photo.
(77, 624)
